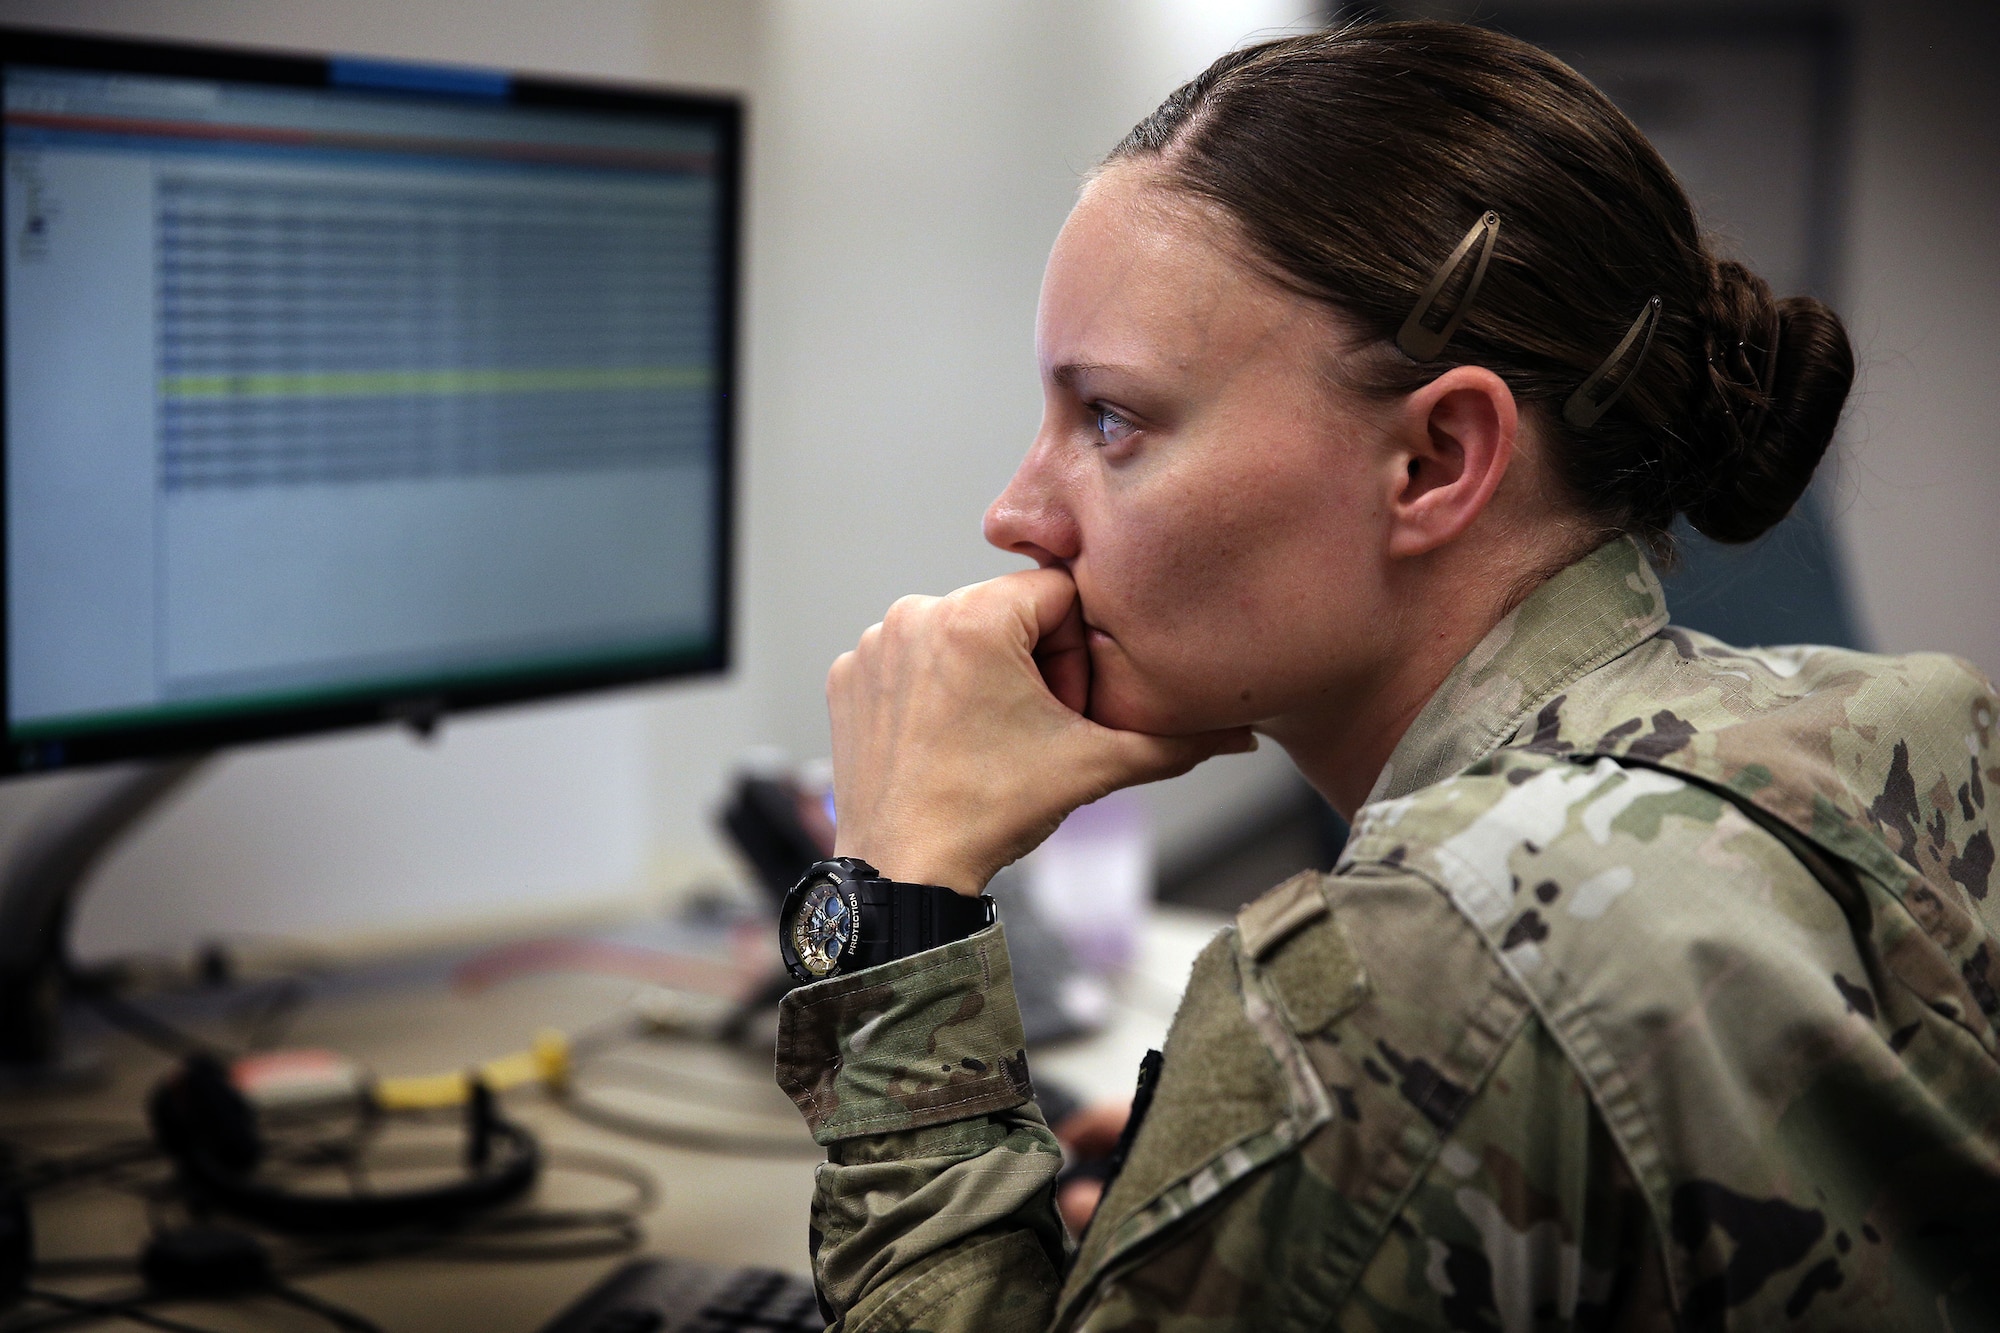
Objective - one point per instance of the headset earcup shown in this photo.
(209, 1129)
(202, 1121)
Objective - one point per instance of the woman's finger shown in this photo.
(1128, 758)
(1046, 596)
(1064, 659)
(1078, 1203)
(959, 740)
(1093, 1130)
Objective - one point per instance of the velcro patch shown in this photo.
(1316, 976)
(1265, 923)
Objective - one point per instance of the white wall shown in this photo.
(910, 163)
(1921, 485)
(914, 163)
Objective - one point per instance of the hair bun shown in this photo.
(1778, 376)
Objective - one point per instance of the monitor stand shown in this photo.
(38, 890)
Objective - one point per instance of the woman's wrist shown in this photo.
(912, 865)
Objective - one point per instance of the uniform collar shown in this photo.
(1597, 609)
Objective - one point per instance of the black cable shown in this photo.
(37, 1174)
(574, 1097)
(585, 1162)
(22, 1130)
(338, 1315)
(509, 1235)
(620, 1235)
(154, 1031)
(683, 1136)
(603, 1034)
(126, 1165)
(263, 1009)
(479, 1240)
(506, 1236)
(549, 1237)
(266, 1010)
(86, 1265)
(575, 1161)
(103, 1309)
(722, 1095)
(546, 1236)
(763, 998)
(133, 1308)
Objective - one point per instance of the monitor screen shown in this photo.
(338, 390)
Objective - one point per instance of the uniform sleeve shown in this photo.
(1527, 1218)
(935, 1208)
(1456, 1176)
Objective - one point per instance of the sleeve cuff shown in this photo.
(925, 1040)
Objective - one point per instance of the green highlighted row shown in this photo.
(404, 383)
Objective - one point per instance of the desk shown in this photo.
(728, 1209)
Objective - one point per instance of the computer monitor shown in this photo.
(340, 390)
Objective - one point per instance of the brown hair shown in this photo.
(1355, 160)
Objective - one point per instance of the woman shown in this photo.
(1657, 984)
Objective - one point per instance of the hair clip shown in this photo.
(1582, 411)
(1421, 342)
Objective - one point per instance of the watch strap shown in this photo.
(910, 918)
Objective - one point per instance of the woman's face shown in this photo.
(1219, 502)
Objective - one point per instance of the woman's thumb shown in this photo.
(1138, 757)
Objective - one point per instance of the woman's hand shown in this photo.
(959, 740)
(1088, 1137)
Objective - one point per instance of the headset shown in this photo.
(210, 1131)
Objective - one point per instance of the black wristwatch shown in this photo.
(843, 916)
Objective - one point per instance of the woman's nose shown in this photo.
(1030, 517)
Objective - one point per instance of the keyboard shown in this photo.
(680, 1296)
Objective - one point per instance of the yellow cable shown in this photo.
(546, 1062)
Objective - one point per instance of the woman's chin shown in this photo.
(1127, 699)
(1132, 710)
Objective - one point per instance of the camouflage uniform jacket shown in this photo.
(1656, 988)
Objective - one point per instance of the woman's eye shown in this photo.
(1112, 426)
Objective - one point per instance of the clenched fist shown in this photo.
(959, 734)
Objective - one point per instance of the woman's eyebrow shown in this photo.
(1070, 372)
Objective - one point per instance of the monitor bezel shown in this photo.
(420, 708)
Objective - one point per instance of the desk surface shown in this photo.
(727, 1208)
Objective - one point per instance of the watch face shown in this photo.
(823, 928)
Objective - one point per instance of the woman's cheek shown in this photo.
(1166, 685)
(1130, 695)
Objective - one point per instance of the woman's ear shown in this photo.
(1453, 441)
